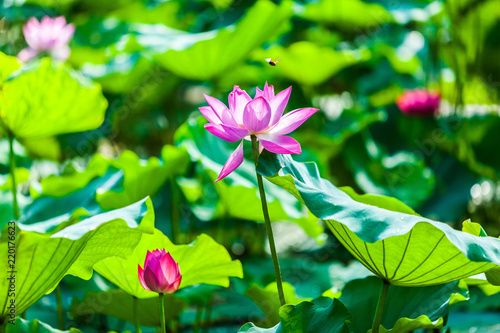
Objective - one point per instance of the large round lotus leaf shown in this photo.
(42, 260)
(385, 235)
(46, 99)
(320, 315)
(206, 55)
(9, 65)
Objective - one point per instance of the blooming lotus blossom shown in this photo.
(50, 35)
(261, 116)
(161, 272)
(419, 102)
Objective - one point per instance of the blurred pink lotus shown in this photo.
(261, 116)
(161, 272)
(419, 102)
(50, 35)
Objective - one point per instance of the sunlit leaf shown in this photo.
(21, 175)
(42, 260)
(46, 99)
(53, 210)
(60, 186)
(310, 64)
(9, 65)
(217, 51)
(493, 275)
(347, 14)
(43, 148)
(203, 261)
(320, 315)
(404, 249)
(473, 228)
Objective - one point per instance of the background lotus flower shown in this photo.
(49, 35)
(161, 272)
(419, 102)
(261, 116)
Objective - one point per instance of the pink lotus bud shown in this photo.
(419, 102)
(50, 35)
(161, 273)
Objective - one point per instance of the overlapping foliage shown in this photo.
(111, 159)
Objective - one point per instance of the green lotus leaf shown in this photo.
(473, 228)
(401, 248)
(43, 148)
(9, 65)
(405, 309)
(35, 326)
(53, 210)
(143, 179)
(493, 275)
(42, 260)
(198, 294)
(140, 178)
(336, 132)
(215, 52)
(60, 186)
(309, 64)
(320, 315)
(104, 181)
(347, 14)
(61, 4)
(203, 261)
(489, 289)
(46, 99)
(402, 175)
(268, 300)
(119, 304)
(21, 175)
(121, 73)
(237, 195)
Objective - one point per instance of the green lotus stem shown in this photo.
(274, 255)
(12, 163)
(380, 307)
(174, 326)
(162, 315)
(136, 315)
(60, 311)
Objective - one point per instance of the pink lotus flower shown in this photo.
(161, 273)
(50, 35)
(261, 116)
(419, 102)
